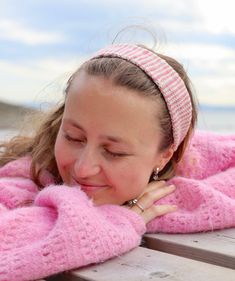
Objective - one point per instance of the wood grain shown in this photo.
(145, 264)
(216, 247)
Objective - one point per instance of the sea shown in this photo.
(219, 120)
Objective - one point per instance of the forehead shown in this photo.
(97, 103)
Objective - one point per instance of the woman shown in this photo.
(102, 161)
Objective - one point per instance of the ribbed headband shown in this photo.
(166, 78)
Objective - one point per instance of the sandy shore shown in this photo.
(12, 119)
(12, 116)
(6, 134)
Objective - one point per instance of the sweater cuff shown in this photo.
(135, 220)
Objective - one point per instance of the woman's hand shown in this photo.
(145, 206)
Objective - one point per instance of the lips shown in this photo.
(91, 188)
(88, 187)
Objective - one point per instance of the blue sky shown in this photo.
(42, 42)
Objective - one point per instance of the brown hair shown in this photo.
(122, 73)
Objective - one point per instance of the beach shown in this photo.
(11, 115)
(12, 118)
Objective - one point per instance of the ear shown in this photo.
(164, 157)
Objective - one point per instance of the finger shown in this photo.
(156, 184)
(157, 211)
(150, 197)
(153, 186)
(138, 208)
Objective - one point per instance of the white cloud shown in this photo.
(206, 16)
(169, 7)
(16, 31)
(211, 69)
(217, 16)
(41, 68)
(199, 51)
(210, 66)
(215, 90)
(174, 25)
(35, 81)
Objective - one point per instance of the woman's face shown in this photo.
(108, 140)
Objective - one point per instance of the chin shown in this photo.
(103, 201)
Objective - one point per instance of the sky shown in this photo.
(42, 42)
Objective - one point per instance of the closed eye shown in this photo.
(107, 151)
(115, 154)
(69, 138)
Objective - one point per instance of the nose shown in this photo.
(87, 164)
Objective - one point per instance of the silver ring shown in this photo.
(132, 202)
(140, 206)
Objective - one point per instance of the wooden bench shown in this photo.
(216, 247)
(181, 257)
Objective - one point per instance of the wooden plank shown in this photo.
(145, 264)
(216, 247)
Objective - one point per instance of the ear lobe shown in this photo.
(166, 156)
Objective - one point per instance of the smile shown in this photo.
(89, 187)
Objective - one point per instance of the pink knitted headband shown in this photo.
(166, 78)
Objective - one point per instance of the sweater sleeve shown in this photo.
(69, 232)
(17, 189)
(207, 154)
(205, 187)
(203, 204)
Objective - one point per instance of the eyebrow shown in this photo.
(73, 123)
(110, 138)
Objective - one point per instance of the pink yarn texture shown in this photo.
(58, 228)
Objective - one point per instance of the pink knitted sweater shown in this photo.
(61, 229)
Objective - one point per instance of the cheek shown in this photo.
(139, 183)
(62, 153)
(132, 181)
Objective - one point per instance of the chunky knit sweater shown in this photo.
(58, 228)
